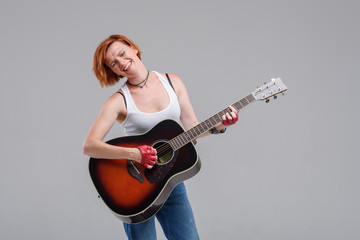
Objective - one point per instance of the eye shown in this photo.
(113, 64)
(121, 53)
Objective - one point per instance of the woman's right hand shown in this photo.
(148, 156)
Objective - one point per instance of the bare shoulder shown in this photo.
(174, 78)
(115, 99)
(176, 82)
(115, 103)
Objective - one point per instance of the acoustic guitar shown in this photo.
(134, 193)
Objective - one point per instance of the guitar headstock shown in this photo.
(272, 88)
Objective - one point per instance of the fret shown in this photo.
(185, 138)
(188, 139)
(177, 142)
(217, 118)
(191, 134)
(208, 123)
(205, 127)
(177, 145)
(243, 102)
(197, 130)
(251, 97)
(201, 128)
(238, 105)
(182, 140)
(173, 144)
(212, 120)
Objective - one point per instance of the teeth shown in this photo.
(127, 66)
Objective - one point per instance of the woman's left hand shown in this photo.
(230, 118)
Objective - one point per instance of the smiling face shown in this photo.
(122, 59)
(105, 74)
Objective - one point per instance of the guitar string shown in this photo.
(162, 149)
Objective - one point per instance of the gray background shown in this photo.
(287, 170)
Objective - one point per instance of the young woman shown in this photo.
(146, 98)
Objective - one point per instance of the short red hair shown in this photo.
(103, 73)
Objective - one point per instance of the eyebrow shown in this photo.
(108, 63)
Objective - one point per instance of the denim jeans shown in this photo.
(175, 217)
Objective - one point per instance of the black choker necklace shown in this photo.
(142, 83)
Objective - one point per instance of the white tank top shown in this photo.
(137, 122)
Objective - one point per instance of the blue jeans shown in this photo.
(175, 217)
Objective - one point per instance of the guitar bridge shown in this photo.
(134, 171)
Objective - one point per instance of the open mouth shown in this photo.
(127, 66)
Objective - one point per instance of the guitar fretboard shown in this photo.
(193, 133)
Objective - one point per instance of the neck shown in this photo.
(138, 77)
(138, 83)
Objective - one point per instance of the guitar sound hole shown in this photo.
(164, 152)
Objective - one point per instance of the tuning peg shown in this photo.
(282, 93)
(267, 100)
(275, 97)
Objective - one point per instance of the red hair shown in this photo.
(103, 73)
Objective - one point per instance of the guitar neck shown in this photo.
(193, 133)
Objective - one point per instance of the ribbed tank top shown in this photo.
(137, 122)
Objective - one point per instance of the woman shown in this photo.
(144, 100)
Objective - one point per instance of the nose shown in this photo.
(120, 60)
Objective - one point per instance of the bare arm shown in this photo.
(113, 109)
